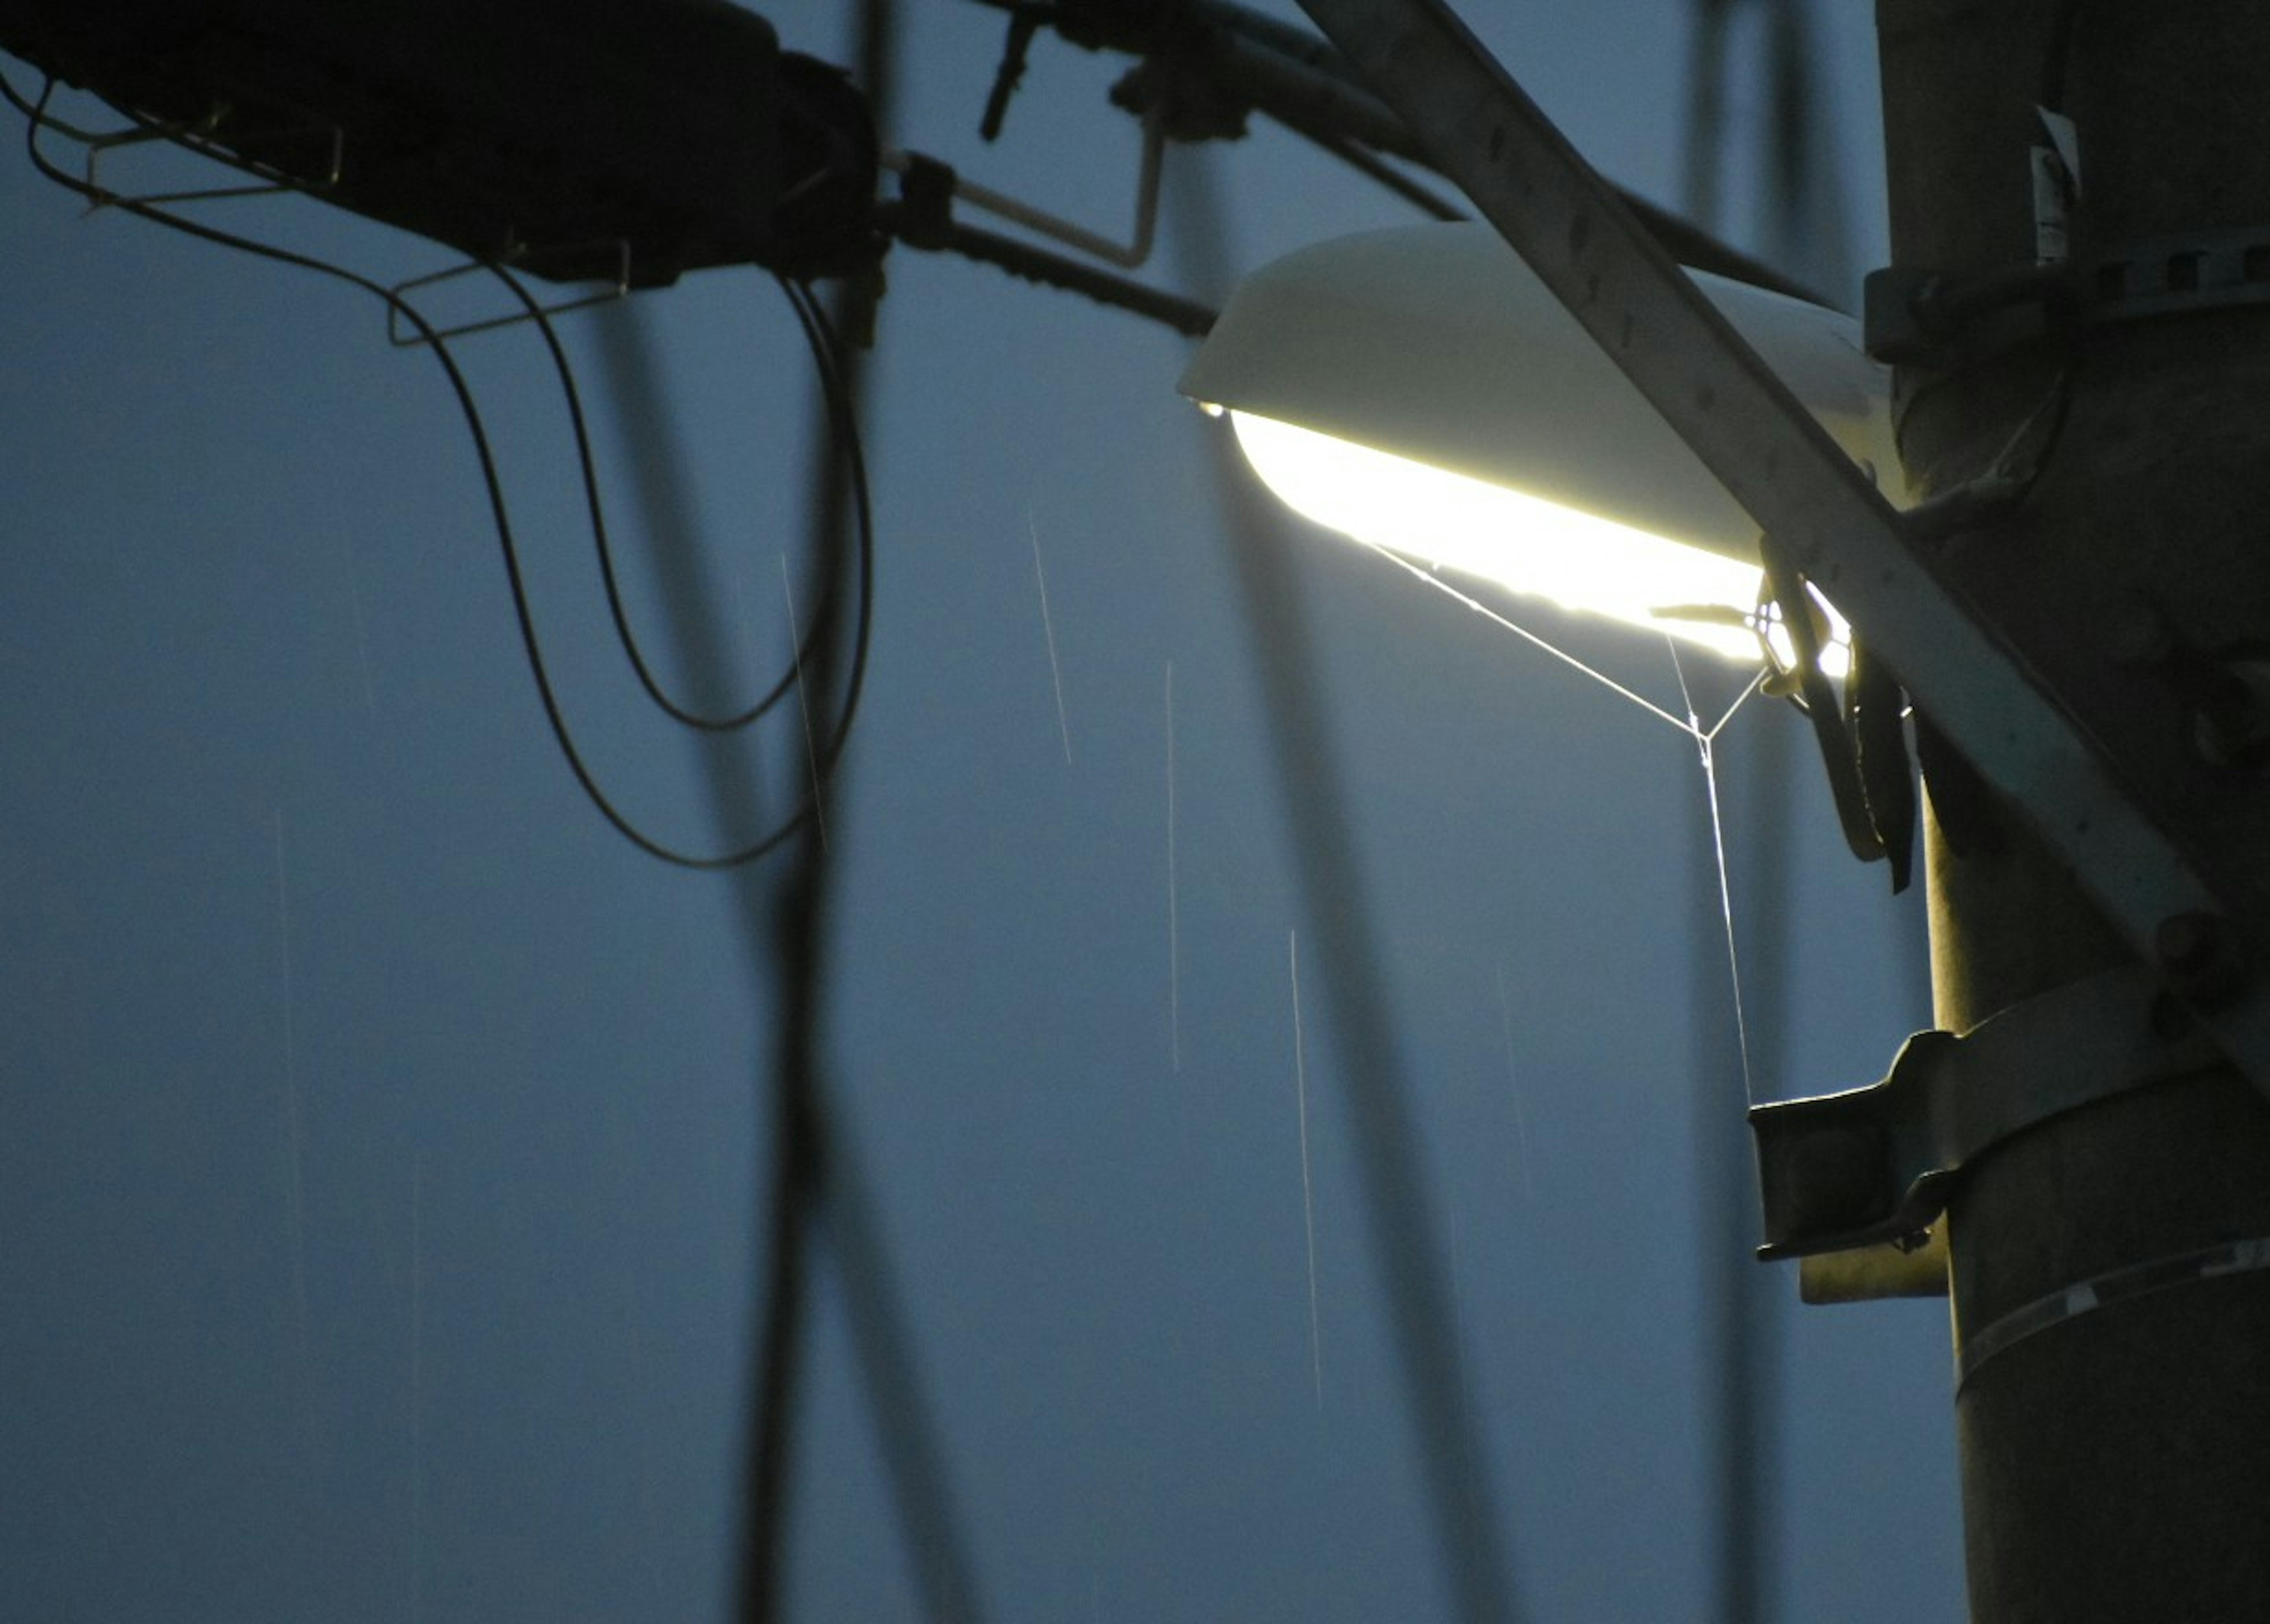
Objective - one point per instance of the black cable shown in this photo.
(1704, 137)
(1790, 106)
(815, 1175)
(1369, 163)
(835, 361)
(1399, 1204)
(1303, 83)
(1691, 245)
(821, 345)
(825, 755)
(797, 1193)
(587, 465)
(911, 1448)
(2057, 65)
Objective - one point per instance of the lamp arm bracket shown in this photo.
(1876, 1164)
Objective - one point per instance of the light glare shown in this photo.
(1573, 560)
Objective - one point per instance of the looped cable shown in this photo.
(572, 396)
(817, 335)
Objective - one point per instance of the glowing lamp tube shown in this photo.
(1421, 391)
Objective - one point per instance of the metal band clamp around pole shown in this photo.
(1875, 1164)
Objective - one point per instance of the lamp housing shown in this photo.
(1421, 390)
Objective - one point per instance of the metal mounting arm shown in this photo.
(1875, 1164)
(2155, 835)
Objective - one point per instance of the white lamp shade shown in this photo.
(1421, 390)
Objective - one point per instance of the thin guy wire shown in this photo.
(1702, 745)
(1689, 728)
(1757, 682)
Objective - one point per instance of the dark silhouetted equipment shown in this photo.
(577, 140)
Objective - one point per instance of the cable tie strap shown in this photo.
(2118, 1286)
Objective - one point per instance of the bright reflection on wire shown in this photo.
(1536, 548)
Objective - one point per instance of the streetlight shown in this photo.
(1420, 390)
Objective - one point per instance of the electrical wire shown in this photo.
(1400, 1206)
(1369, 163)
(2056, 66)
(816, 1176)
(1460, 1490)
(825, 1171)
(1430, 578)
(818, 333)
(572, 397)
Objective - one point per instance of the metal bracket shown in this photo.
(202, 136)
(618, 287)
(2164, 276)
(1128, 256)
(1944, 322)
(2082, 749)
(1875, 1164)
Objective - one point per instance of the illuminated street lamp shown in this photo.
(1420, 390)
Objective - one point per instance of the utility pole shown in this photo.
(2081, 301)
(2080, 195)
(2115, 1459)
